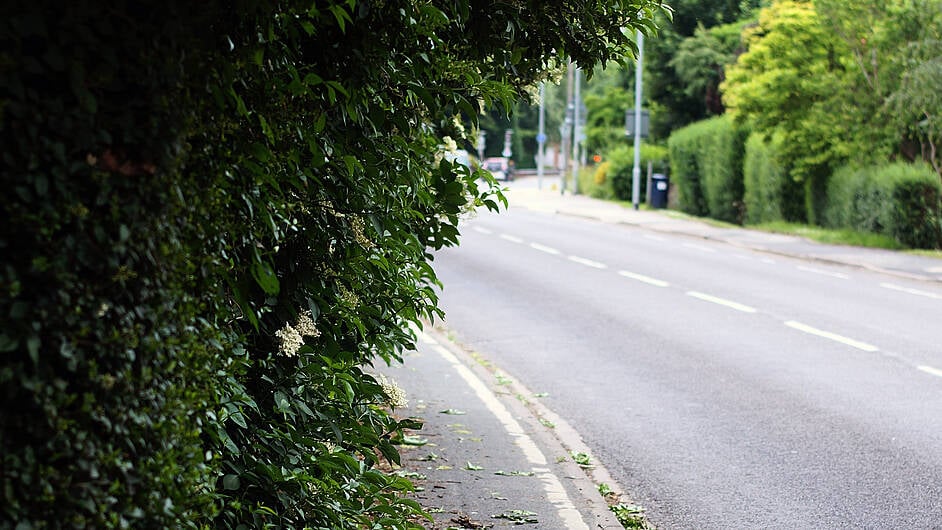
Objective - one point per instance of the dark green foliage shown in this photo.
(900, 200)
(770, 194)
(216, 217)
(721, 162)
(683, 148)
(621, 168)
(706, 167)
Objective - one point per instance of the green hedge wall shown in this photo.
(621, 168)
(770, 194)
(900, 200)
(684, 147)
(707, 168)
(216, 217)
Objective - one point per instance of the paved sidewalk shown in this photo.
(897, 263)
(489, 456)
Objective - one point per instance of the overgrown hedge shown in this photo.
(770, 193)
(707, 168)
(216, 216)
(900, 200)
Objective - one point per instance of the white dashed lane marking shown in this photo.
(930, 370)
(908, 290)
(512, 239)
(588, 262)
(812, 270)
(831, 336)
(643, 278)
(544, 248)
(482, 230)
(701, 248)
(721, 301)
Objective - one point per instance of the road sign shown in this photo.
(541, 138)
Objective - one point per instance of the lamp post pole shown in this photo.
(541, 138)
(636, 170)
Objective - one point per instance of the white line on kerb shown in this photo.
(512, 239)
(908, 290)
(643, 278)
(482, 230)
(552, 486)
(823, 272)
(588, 262)
(930, 370)
(832, 336)
(544, 248)
(722, 301)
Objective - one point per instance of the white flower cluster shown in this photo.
(292, 337)
(306, 327)
(349, 298)
(358, 225)
(395, 395)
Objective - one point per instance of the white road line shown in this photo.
(908, 290)
(552, 486)
(768, 260)
(643, 278)
(544, 248)
(588, 262)
(654, 238)
(832, 336)
(722, 301)
(701, 248)
(930, 370)
(482, 230)
(512, 239)
(812, 270)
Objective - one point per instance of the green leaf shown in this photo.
(265, 277)
(230, 482)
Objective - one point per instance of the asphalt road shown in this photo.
(721, 387)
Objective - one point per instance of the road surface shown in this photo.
(721, 387)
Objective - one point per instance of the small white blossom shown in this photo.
(395, 395)
(291, 340)
(306, 327)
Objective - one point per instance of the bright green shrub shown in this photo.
(622, 160)
(721, 162)
(769, 193)
(900, 200)
(684, 147)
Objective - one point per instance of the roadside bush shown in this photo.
(684, 147)
(214, 223)
(721, 161)
(622, 160)
(900, 200)
(707, 168)
(769, 193)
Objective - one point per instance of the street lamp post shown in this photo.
(636, 170)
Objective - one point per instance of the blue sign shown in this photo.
(541, 138)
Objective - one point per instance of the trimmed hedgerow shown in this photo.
(901, 200)
(770, 194)
(684, 147)
(622, 161)
(707, 168)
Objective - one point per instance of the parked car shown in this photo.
(502, 168)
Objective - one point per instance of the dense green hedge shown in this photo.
(707, 168)
(684, 146)
(216, 217)
(900, 200)
(770, 194)
(621, 168)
